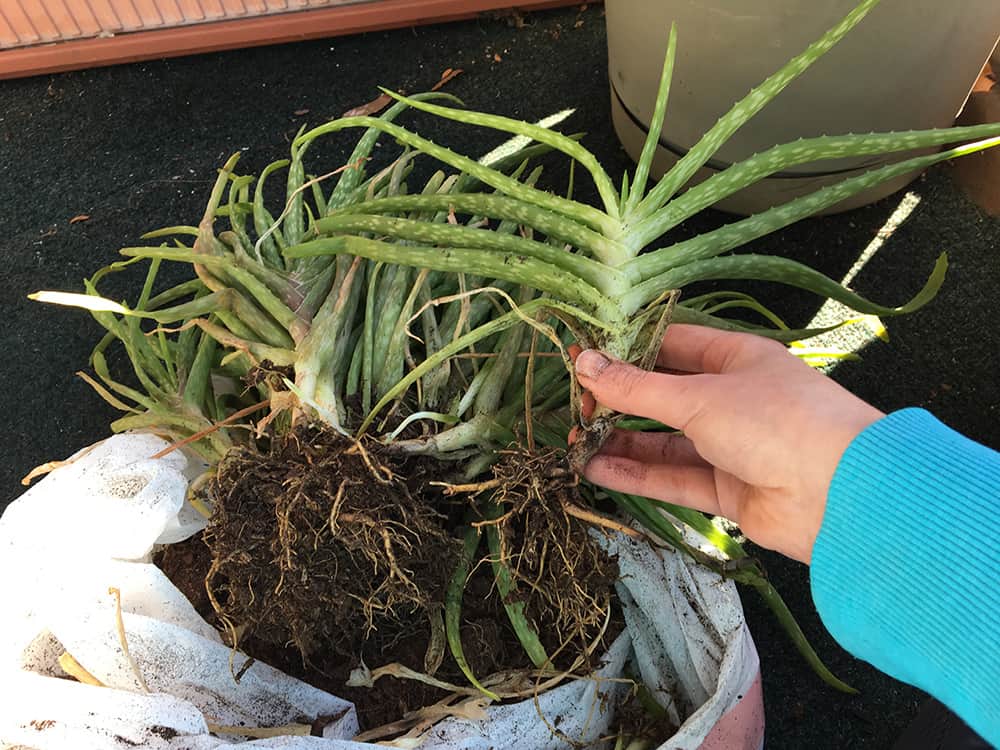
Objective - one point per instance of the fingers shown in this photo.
(672, 399)
(692, 348)
(587, 401)
(690, 486)
(653, 448)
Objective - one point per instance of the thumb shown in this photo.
(671, 399)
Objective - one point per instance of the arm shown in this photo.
(906, 567)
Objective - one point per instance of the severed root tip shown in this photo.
(588, 442)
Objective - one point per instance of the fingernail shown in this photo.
(591, 363)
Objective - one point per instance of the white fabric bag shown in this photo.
(75, 551)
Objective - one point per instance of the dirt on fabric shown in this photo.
(324, 555)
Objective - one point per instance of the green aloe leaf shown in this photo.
(608, 280)
(803, 151)
(746, 108)
(508, 266)
(453, 610)
(514, 607)
(740, 232)
(509, 186)
(655, 127)
(563, 143)
(462, 343)
(508, 209)
(783, 271)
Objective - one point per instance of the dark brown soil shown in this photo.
(490, 643)
(323, 555)
(322, 542)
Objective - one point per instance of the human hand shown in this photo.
(762, 432)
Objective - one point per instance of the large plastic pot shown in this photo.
(909, 64)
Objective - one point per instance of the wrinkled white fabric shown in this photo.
(89, 527)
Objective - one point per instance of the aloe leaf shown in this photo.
(197, 383)
(390, 300)
(585, 214)
(292, 223)
(322, 349)
(490, 396)
(526, 633)
(690, 316)
(211, 447)
(170, 232)
(262, 219)
(608, 280)
(643, 510)
(272, 323)
(394, 359)
(461, 343)
(278, 356)
(453, 610)
(784, 271)
(351, 178)
(100, 365)
(715, 302)
(740, 232)
(239, 207)
(521, 147)
(509, 209)
(368, 333)
(655, 125)
(787, 621)
(185, 289)
(556, 140)
(746, 108)
(803, 151)
(507, 266)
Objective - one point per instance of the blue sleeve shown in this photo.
(906, 567)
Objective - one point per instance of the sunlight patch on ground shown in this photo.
(854, 338)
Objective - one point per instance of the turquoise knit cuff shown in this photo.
(906, 567)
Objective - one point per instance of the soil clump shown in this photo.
(324, 555)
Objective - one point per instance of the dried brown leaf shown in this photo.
(375, 106)
(446, 76)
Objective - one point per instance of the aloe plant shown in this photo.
(317, 315)
(610, 279)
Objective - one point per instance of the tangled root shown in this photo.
(564, 577)
(319, 542)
